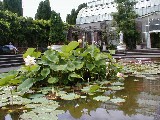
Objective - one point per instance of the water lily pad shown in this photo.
(117, 83)
(83, 96)
(101, 98)
(116, 87)
(117, 100)
(136, 80)
(86, 89)
(70, 96)
(150, 78)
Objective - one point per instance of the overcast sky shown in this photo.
(63, 7)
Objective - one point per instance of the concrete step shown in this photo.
(11, 60)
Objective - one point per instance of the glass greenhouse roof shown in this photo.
(100, 10)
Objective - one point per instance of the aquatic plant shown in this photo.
(71, 65)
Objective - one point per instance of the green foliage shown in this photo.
(1, 5)
(31, 52)
(14, 6)
(44, 10)
(37, 30)
(71, 18)
(68, 66)
(125, 19)
(57, 29)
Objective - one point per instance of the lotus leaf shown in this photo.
(26, 85)
(45, 72)
(53, 80)
(28, 52)
(117, 83)
(116, 87)
(117, 100)
(70, 96)
(101, 98)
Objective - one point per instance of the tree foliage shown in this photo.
(44, 10)
(57, 34)
(14, 6)
(26, 32)
(1, 5)
(23, 31)
(71, 18)
(125, 18)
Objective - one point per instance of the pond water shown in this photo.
(142, 102)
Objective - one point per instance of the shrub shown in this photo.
(68, 66)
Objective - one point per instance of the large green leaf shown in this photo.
(53, 80)
(64, 48)
(58, 67)
(51, 56)
(34, 68)
(2, 75)
(49, 52)
(71, 66)
(86, 52)
(98, 57)
(78, 51)
(28, 52)
(5, 80)
(71, 46)
(73, 75)
(90, 66)
(36, 54)
(64, 55)
(26, 85)
(44, 61)
(100, 62)
(15, 81)
(45, 72)
(78, 64)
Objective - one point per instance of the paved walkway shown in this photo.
(2, 70)
(137, 56)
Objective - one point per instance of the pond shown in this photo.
(142, 100)
(137, 99)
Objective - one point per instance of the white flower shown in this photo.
(29, 60)
(107, 63)
(80, 40)
(120, 75)
(49, 47)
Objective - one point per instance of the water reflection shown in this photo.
(8, 117)
(141, 104)
(103, 114)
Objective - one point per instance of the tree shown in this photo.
(71, 18)
(14, 6)
(44, 10)
(1, 5)
(126, 21)
(57, 29)
(16, 29)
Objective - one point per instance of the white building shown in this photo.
(99, 12)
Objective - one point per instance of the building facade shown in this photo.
(97, 14)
